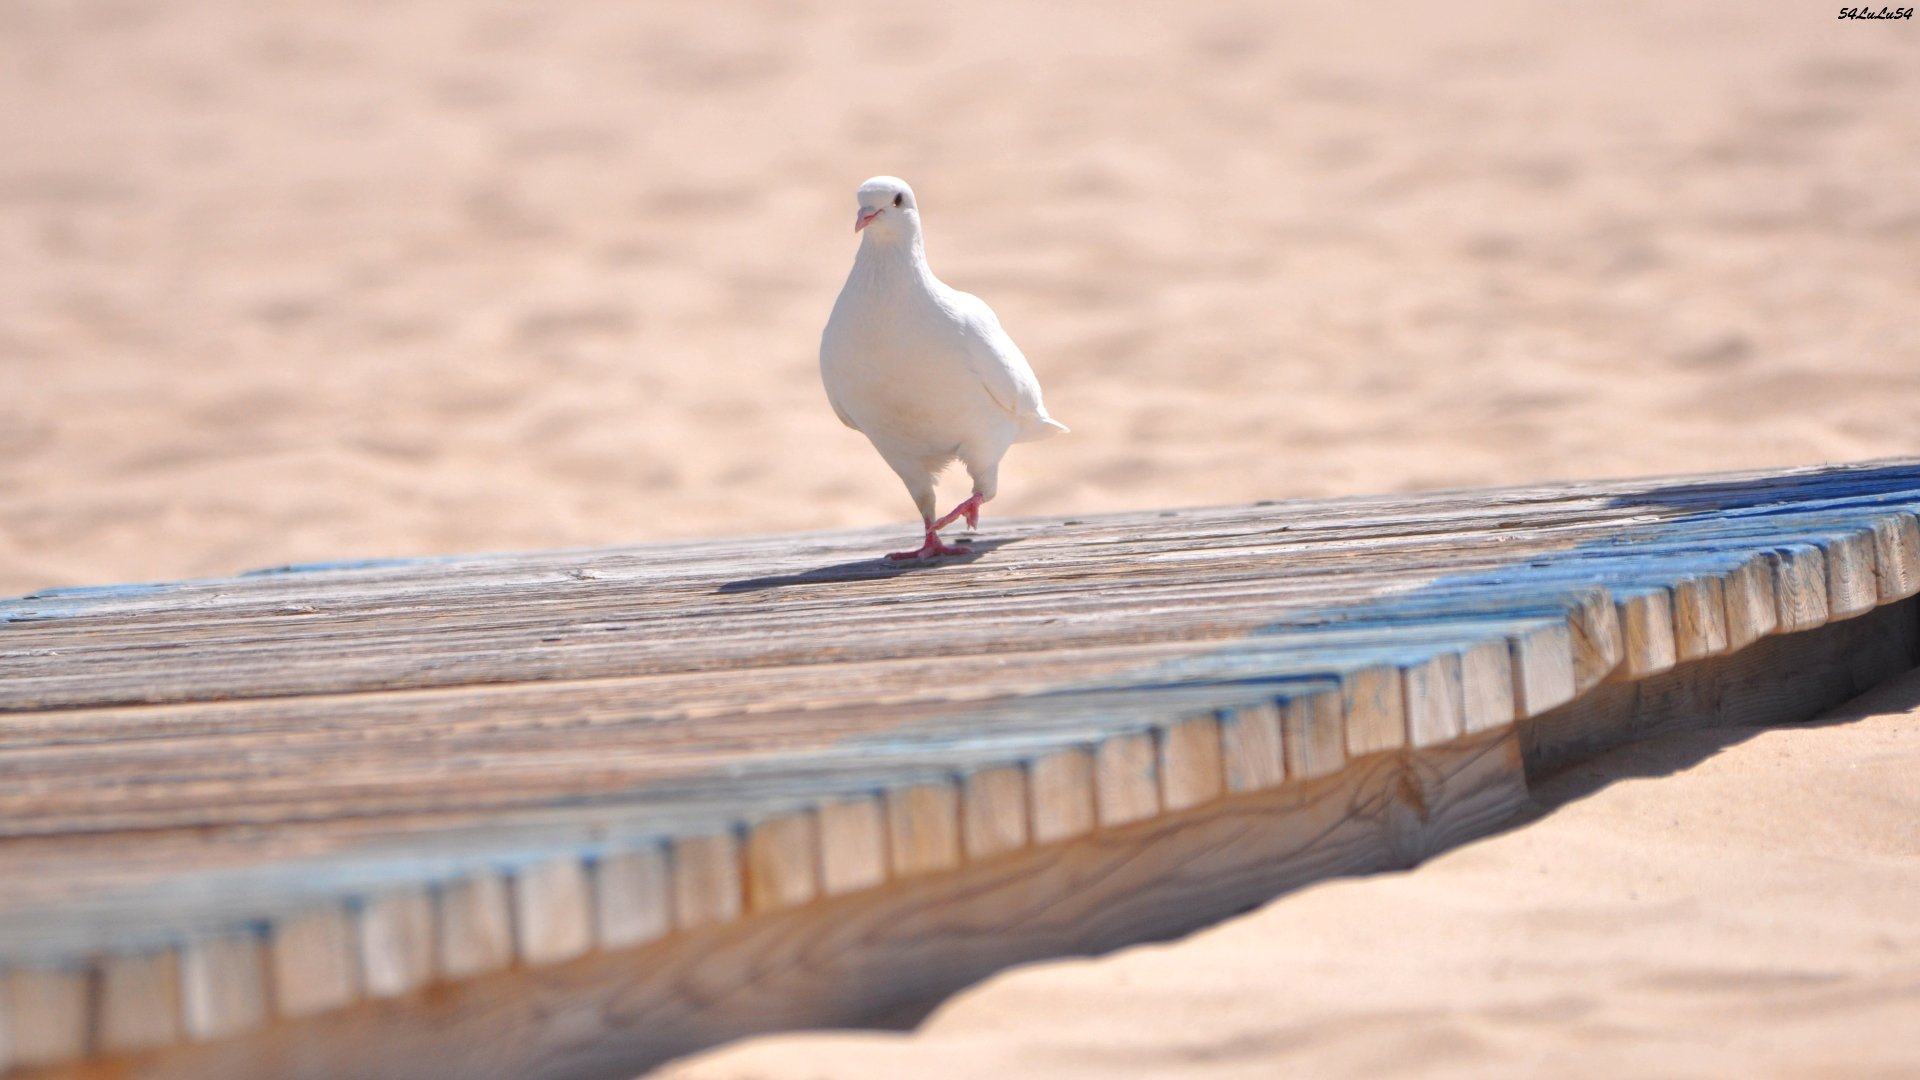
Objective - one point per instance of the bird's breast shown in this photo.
(902, 376)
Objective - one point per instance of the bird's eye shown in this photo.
(898, 199)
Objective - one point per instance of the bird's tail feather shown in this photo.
(1042, 427)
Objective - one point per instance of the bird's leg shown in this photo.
(932, 549)
(969, 510)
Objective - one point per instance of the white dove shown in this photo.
(922, 370)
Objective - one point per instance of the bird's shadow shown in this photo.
(874, 569)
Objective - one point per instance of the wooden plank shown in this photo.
(313, 962)
(1599, 640)
(1780, 679)
(923, 828)
(473, 925)
(223, 986)
(1646, 625)
(1374, 706)
(45, 1013)
(1542, 663)
(1062, 794)
(139, 1001)
(1699, 617)
(1250, 747)
(552, 910)
(1190, 767)
(853, 844)
(706, 880)
(1752, 609)
(898, 950)
(651, 744)
(1313, 736)
(1799, 586)
(1486, 686)
(782, 862)
(1126, 784)
(633, 902)
(1852, 586)
(1610, 516)
(1434, 700)
(396, 941)
(993, 811)
(1896, 555)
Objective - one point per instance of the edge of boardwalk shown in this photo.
(1105, 815)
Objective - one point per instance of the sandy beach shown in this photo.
(283, 283)
(358, 280)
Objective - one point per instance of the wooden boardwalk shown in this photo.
(567, 814)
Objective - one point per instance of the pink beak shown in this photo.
(865, 218)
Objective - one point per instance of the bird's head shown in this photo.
(887, 208)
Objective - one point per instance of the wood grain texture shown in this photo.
(1313, 736)
(1799, 586)
(1252, 757)
(139, 1003)
(895, 951)
(1853, 588)
(396, 939)
(1061, 792)
(1779, 680)
(46, 1012)
(1896, 556)
(1544, 668)
(1374, 703)
(473, 925)
(994, 815)
(1191, 769)
(923, 828)
(313, 962)
(633, 900)
(783, 862)
(1646, 627)
(223, 986)
(412, 784)
(1126, 778)
(1752, 608)
(853, 844)
(706, 880)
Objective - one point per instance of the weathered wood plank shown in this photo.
(1779, 680)
(473, 924)
(782, 862)
(43, 1015)
(313, 962)
(1062, 794)
(706, 881)
(396, 941)
(139, 1001)
(438, 779)
(853, 844)
(994, 814)
(897, 950)
(223, 986)
(633, 900)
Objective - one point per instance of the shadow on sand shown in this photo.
(1676, 752)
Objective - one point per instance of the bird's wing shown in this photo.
(995, 360)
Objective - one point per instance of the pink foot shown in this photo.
(969, 510)
(932, 549)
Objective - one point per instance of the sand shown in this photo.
(290, 282)
(1732, 902)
